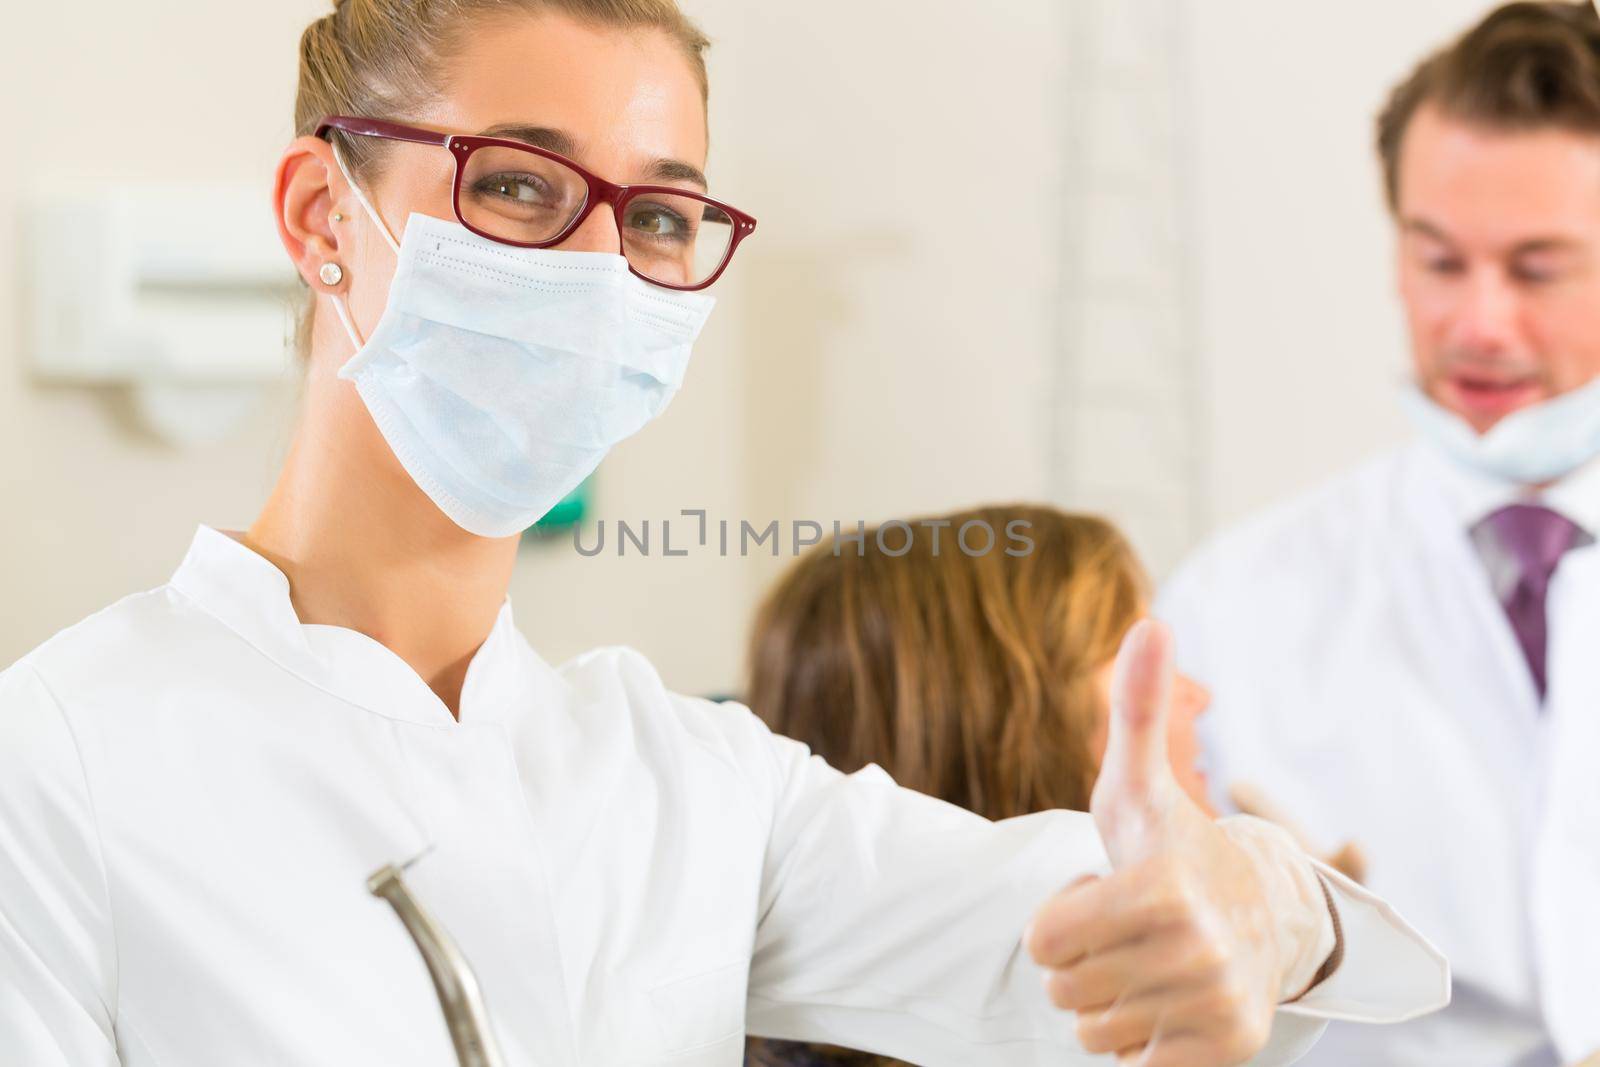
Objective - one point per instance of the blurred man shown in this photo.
(1410, 656)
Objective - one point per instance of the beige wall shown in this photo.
(1300, 334)
(90, 507)
(884, 347)
(881, 347)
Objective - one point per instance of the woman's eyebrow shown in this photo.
(539, 136)
(676, 170)
(561, 143)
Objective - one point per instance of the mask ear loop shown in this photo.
(344, 318)
(339, 305)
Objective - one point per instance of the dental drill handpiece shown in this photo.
(453, 978)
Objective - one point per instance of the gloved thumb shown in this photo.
(1135, 794)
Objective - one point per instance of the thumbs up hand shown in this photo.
(1183, 952)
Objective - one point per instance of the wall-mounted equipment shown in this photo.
(180, 294)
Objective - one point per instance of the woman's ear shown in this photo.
(306, 198)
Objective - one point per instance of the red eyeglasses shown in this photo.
(522, 195)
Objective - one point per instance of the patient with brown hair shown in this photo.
(982, 678)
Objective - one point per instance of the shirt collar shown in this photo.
(1472, 495)
(1577, 496)
(249, 595)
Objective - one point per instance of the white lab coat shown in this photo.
(194, 787)
(1366, 678)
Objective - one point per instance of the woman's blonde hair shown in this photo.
(974, 678)
(385, 58)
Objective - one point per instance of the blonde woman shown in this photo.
(500, 211)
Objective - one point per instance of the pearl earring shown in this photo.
(331, 274)
(337, 217)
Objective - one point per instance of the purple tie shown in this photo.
(1535, 538)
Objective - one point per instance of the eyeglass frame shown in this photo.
(462, 145)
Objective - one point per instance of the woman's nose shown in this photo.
(598, 232)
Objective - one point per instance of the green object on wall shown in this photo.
(568, 513)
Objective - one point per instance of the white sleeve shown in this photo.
(1389, 973)
(892, 922)
(57, 960)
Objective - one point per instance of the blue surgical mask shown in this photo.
(501, 376)
(1531, 446)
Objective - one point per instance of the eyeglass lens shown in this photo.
(528, 199)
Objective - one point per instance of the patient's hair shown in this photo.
(973, 678)
(1526, 66)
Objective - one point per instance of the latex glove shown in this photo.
(1182, 954)
(1349, 860)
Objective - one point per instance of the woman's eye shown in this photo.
(1444, 266)
(659, 222)
(521, 188)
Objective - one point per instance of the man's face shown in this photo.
(1499, 263)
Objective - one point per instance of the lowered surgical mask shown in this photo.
(1531, 446)
(501, 376)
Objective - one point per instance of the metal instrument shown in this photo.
(453, 978)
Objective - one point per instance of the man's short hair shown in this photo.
(1526, 66)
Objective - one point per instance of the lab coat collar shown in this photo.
(1577, 496)
(250, 596)
(1472, 496)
